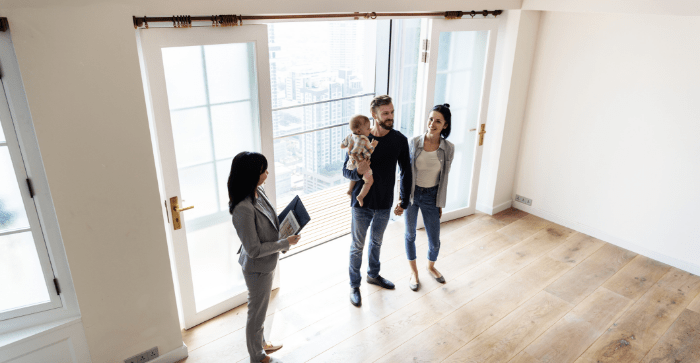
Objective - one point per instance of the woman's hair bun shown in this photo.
(446, 105)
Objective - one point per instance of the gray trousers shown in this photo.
(259, 290)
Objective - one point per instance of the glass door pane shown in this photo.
(21, 277)
(405, 73)
(12, 212)
(459, 81)
(212, 97)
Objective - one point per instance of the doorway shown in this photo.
(288, 90)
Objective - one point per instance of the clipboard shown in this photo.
(298, 210)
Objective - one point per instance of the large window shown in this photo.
(321, 74)
(21, 276)
(26, 274)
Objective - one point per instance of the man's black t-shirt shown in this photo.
(392, 149)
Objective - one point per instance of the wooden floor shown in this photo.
(519, 289)
(331, 216)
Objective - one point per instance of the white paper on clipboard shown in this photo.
(289, 225)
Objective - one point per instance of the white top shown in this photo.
(428, 166)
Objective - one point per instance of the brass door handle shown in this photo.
(175, 205)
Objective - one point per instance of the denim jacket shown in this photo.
(445, 153)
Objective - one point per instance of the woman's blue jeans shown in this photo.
(425, 200)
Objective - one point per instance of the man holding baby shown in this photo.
(374, 211)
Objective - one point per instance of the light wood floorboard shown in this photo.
(519, 289)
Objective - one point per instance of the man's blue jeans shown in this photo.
(425, 200)
(362, 218)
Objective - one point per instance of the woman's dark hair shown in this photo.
(246, 169)
(445, 112)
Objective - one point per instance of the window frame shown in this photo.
(28, 146)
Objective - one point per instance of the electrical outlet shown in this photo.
(143, 356)
(153, 353)
(521, 199)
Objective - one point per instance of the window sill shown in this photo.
(12, 338)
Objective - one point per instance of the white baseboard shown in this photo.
(593, 232)
(493, 210)
(172, 356)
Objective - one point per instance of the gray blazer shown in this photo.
(259, 235)
(446, 153)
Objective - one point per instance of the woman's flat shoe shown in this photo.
(413, 286)
(440, 279)
(271, 347)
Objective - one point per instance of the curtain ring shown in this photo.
(486, 13)
(145, 21)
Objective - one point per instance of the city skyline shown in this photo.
(328, 67)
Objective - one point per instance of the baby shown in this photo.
(359, 149)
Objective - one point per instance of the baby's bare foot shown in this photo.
(349, 192)
(360, 200)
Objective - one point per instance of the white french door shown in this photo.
(458, 72)
(26, 273)
(209, 92)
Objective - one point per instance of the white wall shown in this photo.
(654, 7)
(81, 73)
(514, 56)
(611, 140)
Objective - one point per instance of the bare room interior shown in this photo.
(570, 230)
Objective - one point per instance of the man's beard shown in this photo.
(383, 125)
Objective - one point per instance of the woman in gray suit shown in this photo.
(256, 223)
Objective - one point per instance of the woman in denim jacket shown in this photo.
(431, 158)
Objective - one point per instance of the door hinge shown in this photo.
(425, 44)
(31, 189)
(424, 47)
(58, 288)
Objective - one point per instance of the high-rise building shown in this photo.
(344, 44)
(308, 82)
(274, 50)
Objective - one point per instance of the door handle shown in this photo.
(175, 207)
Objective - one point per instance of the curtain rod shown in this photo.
(185, 21)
